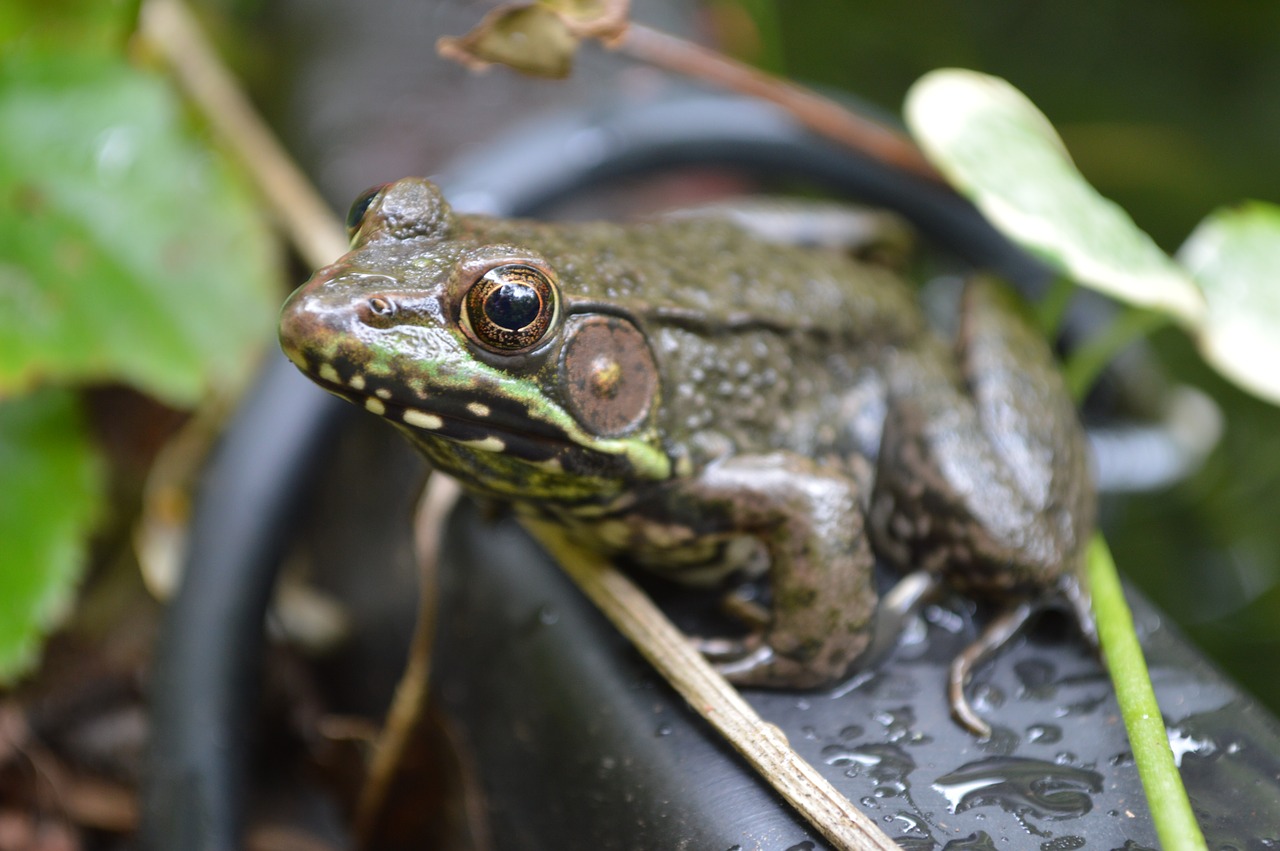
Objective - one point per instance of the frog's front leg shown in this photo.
(810, 521)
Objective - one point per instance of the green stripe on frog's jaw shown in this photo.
(420, 375)
(541, 436)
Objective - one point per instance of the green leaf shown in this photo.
(128, 251)
(998, 149)
(1234, 254)
(53, 487)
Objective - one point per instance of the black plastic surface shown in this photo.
(582, 746)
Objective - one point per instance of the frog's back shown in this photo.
(712, 274)
(760, 346)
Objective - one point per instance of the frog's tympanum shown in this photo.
(702, 403)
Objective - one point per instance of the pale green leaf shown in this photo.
(53, 487)
(999, 150)
(1234, 254)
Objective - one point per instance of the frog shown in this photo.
(686, 397)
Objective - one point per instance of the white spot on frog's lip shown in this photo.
(486, 444)
(375, 406)
(421, 419)
(328, 373)
(478, 409)
(357, 382)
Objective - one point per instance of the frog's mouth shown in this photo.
(499, 428)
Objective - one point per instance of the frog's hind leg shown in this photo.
(983, 470)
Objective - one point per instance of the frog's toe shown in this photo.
(997, 634)
(770, 665)
(726, 651)
(744, 669)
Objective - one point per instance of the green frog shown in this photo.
(703, 403)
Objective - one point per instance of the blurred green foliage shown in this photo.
(130, 253)
(1170, 110)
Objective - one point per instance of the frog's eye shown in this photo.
(510, 308)
(361, 206)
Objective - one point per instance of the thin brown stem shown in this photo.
(304, 215)
(821, 115)
(409, 704)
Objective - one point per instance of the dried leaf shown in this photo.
(539, 39)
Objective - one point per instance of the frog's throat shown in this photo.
(482, 432)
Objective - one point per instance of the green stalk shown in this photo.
(1170, 808)
(1051, 308)
(1088, 360)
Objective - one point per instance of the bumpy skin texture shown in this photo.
(699, 402)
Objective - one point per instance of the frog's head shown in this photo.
(472, 349)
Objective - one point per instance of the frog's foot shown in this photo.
(822, 602)
(1069, 596)
(726, 651)
(997, 634)
(901, 603)
(772, 659)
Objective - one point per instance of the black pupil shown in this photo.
(512, 306)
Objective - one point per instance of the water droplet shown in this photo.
(548, 615)
(1022, 786)
(986, 698)
(979, 841)
(1044, 734)
(1036, 679)
(664, 730)
(853, 731)
(897, 722)
(1130, 845)
(1122, 759)
(1181, 742)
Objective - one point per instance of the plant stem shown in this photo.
(1090, 359)
(1052, 308)
(817, 113)
(409, 705)
(304, 215)
(1170, 808)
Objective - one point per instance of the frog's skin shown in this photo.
(700, 402)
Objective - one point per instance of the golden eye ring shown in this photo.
(510, 308)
